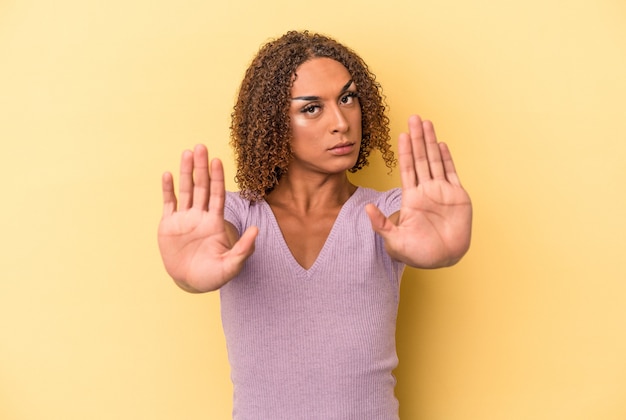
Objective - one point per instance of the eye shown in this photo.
(348, 98)
(311, 109)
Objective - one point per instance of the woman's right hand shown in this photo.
(200, 250)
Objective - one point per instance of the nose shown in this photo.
(339, 122)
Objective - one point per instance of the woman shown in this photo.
(308, 264)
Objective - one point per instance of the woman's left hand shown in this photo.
(433, 227)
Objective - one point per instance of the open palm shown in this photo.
(433, 227)
(200, 251)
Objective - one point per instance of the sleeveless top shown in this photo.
(317, 343)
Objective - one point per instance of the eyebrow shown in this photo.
(317, 98)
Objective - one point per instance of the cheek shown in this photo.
(303, 128)
(357, 122)
(298, 123)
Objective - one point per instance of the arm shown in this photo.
(200, 250)
(433, 227)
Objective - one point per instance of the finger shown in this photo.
(244, 247)
(241, 250)
(200, 177)
(432, 149)
(169, 197)
(418, 147)
(408, 177)
(448, 164)
(186, 180)
(380, 223)
(217, 189)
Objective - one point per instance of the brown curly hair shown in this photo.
(260, 128)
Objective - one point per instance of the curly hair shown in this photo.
(260, 128)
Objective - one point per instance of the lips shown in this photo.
(342, 149)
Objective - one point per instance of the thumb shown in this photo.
(380, 223)
(244, 247)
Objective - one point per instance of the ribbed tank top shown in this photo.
(314, 344)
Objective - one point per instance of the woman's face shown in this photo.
(325, 116)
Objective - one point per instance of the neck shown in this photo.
(305, 194)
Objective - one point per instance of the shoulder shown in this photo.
(237, 209)
(235, 200)
(387, 201)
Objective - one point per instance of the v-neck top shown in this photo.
(315, 343)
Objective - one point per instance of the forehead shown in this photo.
(319, 74)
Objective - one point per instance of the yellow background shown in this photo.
(98, 98)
